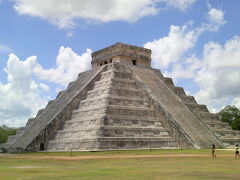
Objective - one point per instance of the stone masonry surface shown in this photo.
(122, 103)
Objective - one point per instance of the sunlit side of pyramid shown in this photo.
(122, 103)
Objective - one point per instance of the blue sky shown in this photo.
(45, 44)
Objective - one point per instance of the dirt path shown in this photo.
(105, 156)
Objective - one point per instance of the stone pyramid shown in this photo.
(122, 103)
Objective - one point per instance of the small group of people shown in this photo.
(214, 155)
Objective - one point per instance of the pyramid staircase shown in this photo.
(116, 114)
(222, 130)
(122, 103)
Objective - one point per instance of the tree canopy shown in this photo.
(5, 132)
(231, 114)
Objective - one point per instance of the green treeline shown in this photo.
(231, 114)
(5, 132)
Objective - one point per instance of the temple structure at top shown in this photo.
(125, 53)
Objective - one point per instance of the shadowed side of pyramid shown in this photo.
(48, 121)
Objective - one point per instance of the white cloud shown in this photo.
(4, 49)
(219, 75)
(181, 4)
(236, 102)
(173, 47)
(63, 13)
(45, 87)
(215, 18)
(68, 66)
(19, 97)
(70, 34)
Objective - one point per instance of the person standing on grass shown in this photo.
(237, 152)
(213, 151)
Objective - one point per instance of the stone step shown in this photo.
(111, 131)
(139, 132)
(125, 92)
(206, 116)
(112, 117)
(197, 107)
(113, 120)
(188, 99)
(117, 70)
(217, 125)
(115, 100)
(229, 131)
(132, 121)
(49, 103)
(215, 122)
(230, 145)
(109, 127)
(40, 112)
(231, 141)
(114, 110)
(192, 127)
(107, 122)
(169, 82)
(226, 134)
(117, 74)
(116, 82)
(30, 121)
(137, 138)
(110, 143)
(60, 93)
(179, 91)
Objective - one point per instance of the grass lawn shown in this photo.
(124, 165)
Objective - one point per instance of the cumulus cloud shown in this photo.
(22, 96)
(63, 13)
(45, 87)
(216, 73)
(173, 47)
(4, 49)
(180, 39)
(70, 34)
(68, 66)
(219, 75)
(236, 102)
(181, 4)
(215, 18)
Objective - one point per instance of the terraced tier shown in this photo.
(115, 110)
(159, 89)
(221, 129)
(113, 143)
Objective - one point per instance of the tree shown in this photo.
(5, 132)
(231, 114)
(236, 124)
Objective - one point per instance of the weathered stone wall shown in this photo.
(117, 114)
(52, 118)
(124, 104)
(122, 53)
(163, 91)
(221, 130)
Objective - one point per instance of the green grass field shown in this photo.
(124, 165)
